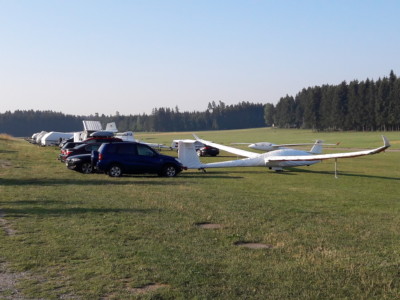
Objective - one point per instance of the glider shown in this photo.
(275, 160)
(267, 146)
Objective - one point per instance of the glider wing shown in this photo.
(232, 150)
(330, 156)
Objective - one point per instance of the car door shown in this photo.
(126, 155)
(148, 159)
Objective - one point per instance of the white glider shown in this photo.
(267, 146)
(274, 160)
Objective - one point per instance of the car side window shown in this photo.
(127, 149)
(145, 151)
(110, 148)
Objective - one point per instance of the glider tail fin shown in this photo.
(317, 148)
(187, 155)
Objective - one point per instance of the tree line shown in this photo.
(366, 105)
(218, 116)
(363, 106)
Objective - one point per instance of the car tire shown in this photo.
(86, 168)
(115, 171)
(169, 171)
(198, 153)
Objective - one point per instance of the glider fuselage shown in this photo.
(262, 160)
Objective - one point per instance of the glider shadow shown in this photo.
(342, 173)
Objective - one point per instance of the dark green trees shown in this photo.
(218, 116)
(365, 105)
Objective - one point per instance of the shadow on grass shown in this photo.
(145, 180)
(7, 151)
(341, 173)
(56, 212)
(262, 171)
(211, 174)
(34, 202)
(287, 172)
(59, 181)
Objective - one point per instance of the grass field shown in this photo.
(65, 235)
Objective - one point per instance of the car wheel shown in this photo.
(169, 171)
(115, 171)
(198, 153)
(86, 168)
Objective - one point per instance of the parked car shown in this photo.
(81, 163)
(80, 149)
(116, 159)
(65, 141)
(64, 149)
(207, 151)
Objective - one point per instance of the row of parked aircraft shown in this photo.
(274, 156)
(91, 129)
(54, 138)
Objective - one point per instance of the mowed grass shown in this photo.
(76, 236)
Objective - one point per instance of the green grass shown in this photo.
(95, 237)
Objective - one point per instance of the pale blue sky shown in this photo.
(83, 57)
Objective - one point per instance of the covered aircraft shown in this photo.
(275, 160)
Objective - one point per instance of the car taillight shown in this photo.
(100, 156)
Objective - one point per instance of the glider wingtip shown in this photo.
(386, 141)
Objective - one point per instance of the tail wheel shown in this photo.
(115, 171)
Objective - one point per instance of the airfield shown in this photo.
(237, 233)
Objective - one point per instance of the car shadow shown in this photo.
(61, 181)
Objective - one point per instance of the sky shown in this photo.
(107, 56)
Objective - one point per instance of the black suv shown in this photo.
(134, 158)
